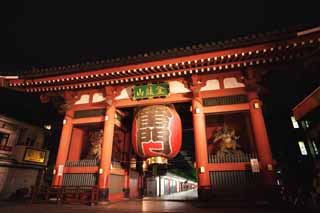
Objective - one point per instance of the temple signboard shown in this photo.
(150, 91)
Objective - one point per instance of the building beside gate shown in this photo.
(306, 117)
(22, 157)
(221, 84)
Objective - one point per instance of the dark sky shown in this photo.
(43, 33)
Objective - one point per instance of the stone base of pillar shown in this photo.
(126, 192)
(103, 196)
(204, 192)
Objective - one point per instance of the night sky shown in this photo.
(42, 34)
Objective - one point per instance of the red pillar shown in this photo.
(200, 142)
(106, 152)
(250, 133)
(261, 138)
(63, 150)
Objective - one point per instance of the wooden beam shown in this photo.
(90, 106)
(116, 171)
(226, 108)
(223, 92)
(93, 169)
(228, 166)
(308, 104)
(173, 98)
(87, 120)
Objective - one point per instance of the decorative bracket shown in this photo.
(196, 84)
(111, 92)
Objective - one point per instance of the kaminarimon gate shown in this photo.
(220, 83)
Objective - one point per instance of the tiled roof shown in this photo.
(164, 54)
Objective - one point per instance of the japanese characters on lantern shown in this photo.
(157, 132)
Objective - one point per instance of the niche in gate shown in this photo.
(95, 139)
(227, 142)
(229, 135)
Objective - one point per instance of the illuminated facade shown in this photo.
(220, 83)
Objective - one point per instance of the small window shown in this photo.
(4, 138)
(303, 149)
(294, 122)
(315, 148)
(306, 123)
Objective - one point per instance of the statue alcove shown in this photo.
(229, 134)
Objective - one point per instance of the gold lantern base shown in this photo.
(156, 160)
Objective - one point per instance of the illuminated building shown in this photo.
(221, 83)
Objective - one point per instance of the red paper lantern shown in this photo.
(156, 131)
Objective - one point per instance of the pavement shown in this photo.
(174, 203)
(190, 195)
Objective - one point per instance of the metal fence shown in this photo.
(90, 163)
(236, 158)
(79, 179)
(82, 163)
(234, 179)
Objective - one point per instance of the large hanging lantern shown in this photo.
(157, 133)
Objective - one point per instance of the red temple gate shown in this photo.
(217, 82)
